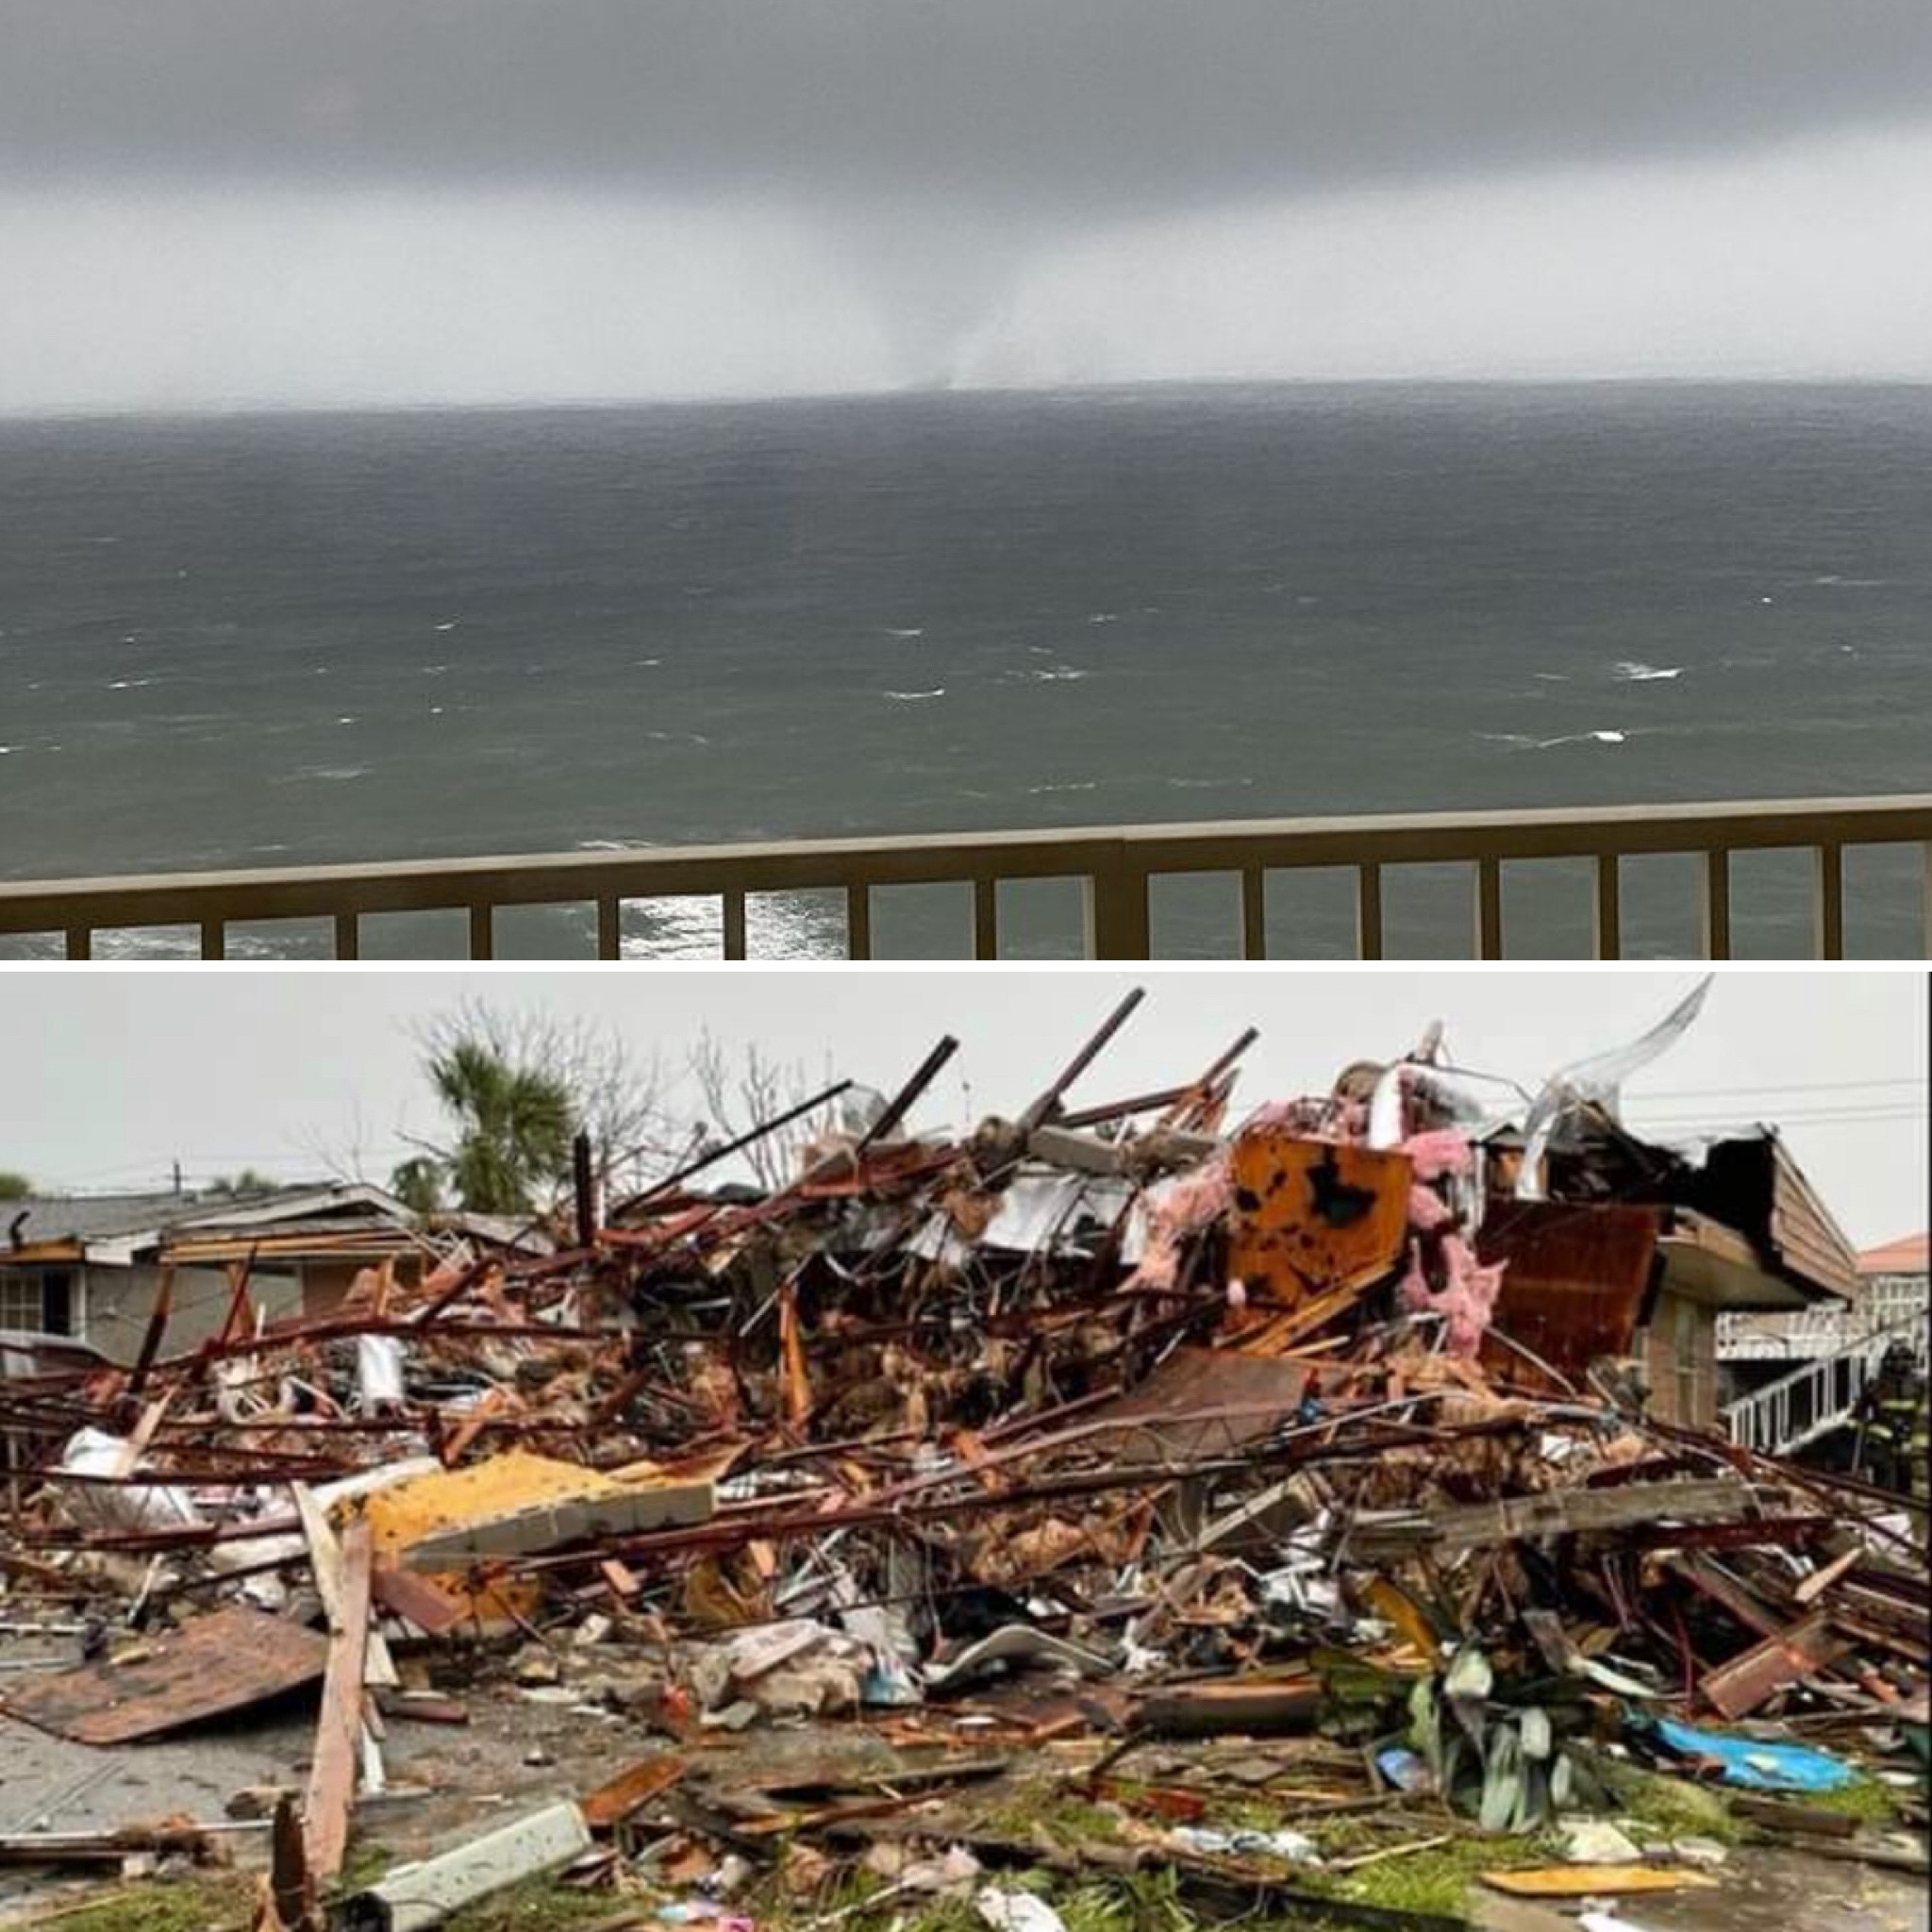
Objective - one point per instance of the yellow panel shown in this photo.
(420, 1507)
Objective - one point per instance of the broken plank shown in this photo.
(1891, 1856)
(621, 1796)
(332, 1773)
(1740, 1687)
(1585, 1881)
(1556, 1512)
(1210, 1710)
(326, 1565)
(426, 1711)
(1402, 1850)
(1821, 1580)
(418, 1600)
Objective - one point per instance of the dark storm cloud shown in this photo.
(1093, 105)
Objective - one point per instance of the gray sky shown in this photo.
(271, 200)
(112, 1075)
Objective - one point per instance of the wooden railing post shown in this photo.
(1254, 912)
(734, 922)
(1489, 908)
(1117, 916)
(1609, 933)
(1831, 925)
(857, 920)
(986, 918)
(1368, 910)
(1717, 904)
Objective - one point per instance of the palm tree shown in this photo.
(515, 1126)
(417, 1183)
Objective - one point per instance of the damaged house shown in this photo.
(1638, 1252)
(94, 1268)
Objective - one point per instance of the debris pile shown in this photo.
(1281, 1499)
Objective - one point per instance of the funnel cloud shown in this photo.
(264, 202)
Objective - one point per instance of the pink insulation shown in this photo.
(1467, 1297)
(1178, 1208)
(1428, 1212)
(1439, 1151)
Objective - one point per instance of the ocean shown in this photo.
(266, 639)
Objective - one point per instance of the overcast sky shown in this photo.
(246, 201)
(110, 1077)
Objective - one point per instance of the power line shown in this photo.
(1917, 1080)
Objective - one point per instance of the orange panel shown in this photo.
(1311, 1216)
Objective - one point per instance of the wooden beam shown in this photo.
(338, 1730)
(326, 1564)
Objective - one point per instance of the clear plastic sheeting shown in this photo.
(1598, 1081)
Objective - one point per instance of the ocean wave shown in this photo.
(1647, 674)
(1082, 785)
(914, 697)
(1524, 742)
(917, 630)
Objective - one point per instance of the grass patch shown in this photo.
(1060, 1817)
(1673, 1806)
(1866, 1799)
(1437, 1880)
(538, 1905)
(189, 1905)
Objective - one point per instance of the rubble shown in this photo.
(1303, 1455)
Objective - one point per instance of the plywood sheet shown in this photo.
(211, 1666)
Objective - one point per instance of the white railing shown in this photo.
(1885, 1301)
(1801, 1335)
(1821, 1395)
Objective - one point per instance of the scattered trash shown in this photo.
(1758, 1764)
(1016, 1911)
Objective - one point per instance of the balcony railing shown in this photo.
(1115, 868)
(1819, 1396)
